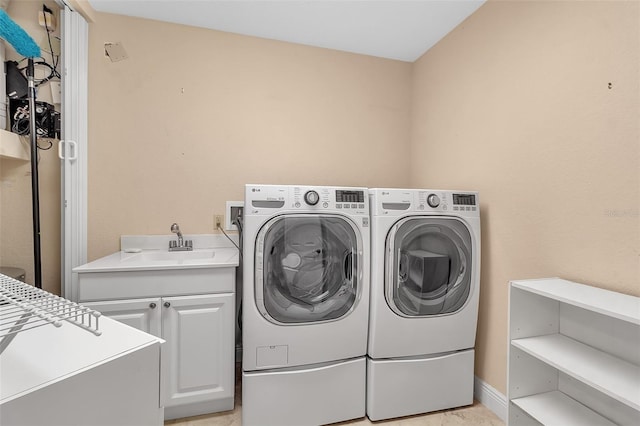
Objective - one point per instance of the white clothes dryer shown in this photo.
(305, 304)
(425, 283)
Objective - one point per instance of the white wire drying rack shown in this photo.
(24, 307)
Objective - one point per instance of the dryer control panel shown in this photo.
(447, 202)
(397, 202)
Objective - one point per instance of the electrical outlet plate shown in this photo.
(218, 220)
(229, 216)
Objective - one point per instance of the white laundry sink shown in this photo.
(163, 259)
(163, 256)
(145, 266)
(152, 253)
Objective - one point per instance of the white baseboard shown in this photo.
(488, 396)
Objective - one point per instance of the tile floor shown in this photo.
(476, 414)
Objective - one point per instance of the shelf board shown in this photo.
(612, 376)
(610, 303)
(557, 408)
(12, 147)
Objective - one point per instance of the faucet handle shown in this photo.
(172, 244)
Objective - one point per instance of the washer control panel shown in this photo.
(265, 198)
(353, 200)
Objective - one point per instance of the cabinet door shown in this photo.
(143, 314)
(198, 356)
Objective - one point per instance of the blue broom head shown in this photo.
(17, 37)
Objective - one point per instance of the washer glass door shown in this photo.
(429, 269)
(307, 268)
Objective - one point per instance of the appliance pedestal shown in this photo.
(308, 395)
(407, 386)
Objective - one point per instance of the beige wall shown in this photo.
(192, 115)
(515, 103)
(16, 225)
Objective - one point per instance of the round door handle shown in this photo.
(167, 304)
(152, 305)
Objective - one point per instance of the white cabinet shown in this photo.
(199, 331)
(574, 355)
(143, 314)
(197, 367)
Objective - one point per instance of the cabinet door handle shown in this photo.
(167, 304)
(152, 305)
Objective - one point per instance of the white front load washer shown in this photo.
(305, 304)
(425, 282)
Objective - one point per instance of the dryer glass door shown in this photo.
(429, 270)
(307, 271)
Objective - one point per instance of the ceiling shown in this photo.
(394, 29)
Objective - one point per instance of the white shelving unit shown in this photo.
(574, 355)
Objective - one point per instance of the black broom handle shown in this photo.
(35, 195)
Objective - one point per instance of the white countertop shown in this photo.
(151, 253)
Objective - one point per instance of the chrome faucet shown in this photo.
(180, 244)
(176, 230)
